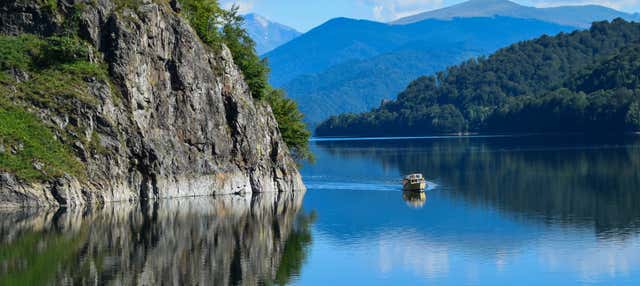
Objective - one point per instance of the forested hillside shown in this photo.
(585, 81)
(349, 65)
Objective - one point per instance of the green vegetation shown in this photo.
(216, 26)
(352, 65)
(295, 249)
(292, 127)
(29, 149)
(36, 258)
(49, 73)
(255, 70)
(584, 81)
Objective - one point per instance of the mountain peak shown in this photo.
(267, 34)
(490, 2)
(577, 16)
(262, 21)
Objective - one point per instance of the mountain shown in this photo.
(585, 81)
(334, 42)
(152, 111)
(350, 65)
(268, 35)
(579, 16)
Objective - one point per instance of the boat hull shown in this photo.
(414, 187)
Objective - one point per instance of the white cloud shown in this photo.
(245, 6)
(387, 10)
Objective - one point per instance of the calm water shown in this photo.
(499, 211)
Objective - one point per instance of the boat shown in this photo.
(414, 183)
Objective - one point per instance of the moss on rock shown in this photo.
(42, 73)
(29, 148)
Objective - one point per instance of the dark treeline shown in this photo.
(585, 81)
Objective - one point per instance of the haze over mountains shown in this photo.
(347, 65)
(268, 35)
(368, 62)
(579, 16)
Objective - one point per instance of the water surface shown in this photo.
(499, 211)
(503, 211)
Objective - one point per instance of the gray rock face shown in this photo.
(179, 122)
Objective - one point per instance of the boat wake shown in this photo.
(352, 186)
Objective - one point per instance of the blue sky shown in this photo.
(306, 14)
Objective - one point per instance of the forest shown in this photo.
(584, 81)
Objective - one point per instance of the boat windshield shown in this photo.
(414, 177)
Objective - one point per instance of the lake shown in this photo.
(558, 210)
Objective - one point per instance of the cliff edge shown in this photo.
(171, 118)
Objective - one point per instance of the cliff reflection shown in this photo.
(576, 180)
(230, 240)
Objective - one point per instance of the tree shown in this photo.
(585, 81)
(217, 27)
(290, 123)
(633, 116)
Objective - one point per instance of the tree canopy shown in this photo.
(585, 81)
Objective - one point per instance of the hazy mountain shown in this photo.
(350, 65)
(580, 16)
(268, 35)
(331, 43)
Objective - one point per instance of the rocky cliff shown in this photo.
(174, 117)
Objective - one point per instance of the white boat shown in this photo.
(414, 183)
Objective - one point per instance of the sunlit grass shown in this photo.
(56, 73)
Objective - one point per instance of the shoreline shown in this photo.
(464, 135)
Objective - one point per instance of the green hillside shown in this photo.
(583, 81)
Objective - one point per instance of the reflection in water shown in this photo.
(576, 180)
(414, 199)
(559, 211)
(229, 240)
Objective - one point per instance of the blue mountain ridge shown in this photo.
(348, 65)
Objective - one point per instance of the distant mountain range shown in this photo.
(579, 16)
(347, 65)
(350, 65)
(268, 35)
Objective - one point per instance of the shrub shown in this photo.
(64, 49)
(293, 130)
(216, 26)
(30, 150)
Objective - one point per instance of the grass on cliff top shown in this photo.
(53, 75)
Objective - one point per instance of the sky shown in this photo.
(306, 14)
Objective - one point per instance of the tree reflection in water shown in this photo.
(228, 240)
(561, 179)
